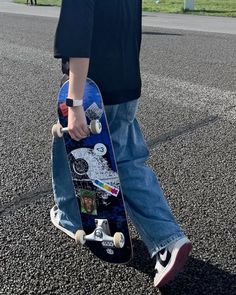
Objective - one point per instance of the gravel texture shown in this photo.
(187, 113)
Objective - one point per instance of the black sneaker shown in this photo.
(171, 260)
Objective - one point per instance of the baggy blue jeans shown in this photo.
(144, 199)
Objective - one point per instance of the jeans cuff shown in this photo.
(166, 242)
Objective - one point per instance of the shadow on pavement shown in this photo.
(198, 277)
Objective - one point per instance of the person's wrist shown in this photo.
(75, 109)
(73, 102)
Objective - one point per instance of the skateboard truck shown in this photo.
(101, 234)
(95, 127)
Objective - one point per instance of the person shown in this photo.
(101, 39)
(31, 2)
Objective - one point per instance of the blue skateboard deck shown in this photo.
(96, 182)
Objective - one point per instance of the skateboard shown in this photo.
(96, 181)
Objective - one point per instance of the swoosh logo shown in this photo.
(163, 256)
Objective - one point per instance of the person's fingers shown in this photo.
(77, 124)
(85, 130)
(77, 133)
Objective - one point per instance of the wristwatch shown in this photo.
(74, 102)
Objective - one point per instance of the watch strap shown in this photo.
(74, 102)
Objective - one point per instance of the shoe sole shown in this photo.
(180, 259)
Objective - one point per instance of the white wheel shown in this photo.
(95, 127)
(79, 237)
(56, 130)
(119, 240)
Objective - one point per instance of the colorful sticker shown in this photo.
(106, 187)
(88, 201)
(64, 109)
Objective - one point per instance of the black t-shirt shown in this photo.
(109, 33)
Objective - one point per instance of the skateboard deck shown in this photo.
(96, 182)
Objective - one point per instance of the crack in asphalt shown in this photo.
(182, 130)
(26, 198)
(45, 189)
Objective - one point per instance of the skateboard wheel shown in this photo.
(95, 127)
(80, 237)
(119, 240)
(56, 130)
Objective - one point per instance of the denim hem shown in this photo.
(148, 240)
(164, 243)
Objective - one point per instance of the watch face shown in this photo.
(69, 102)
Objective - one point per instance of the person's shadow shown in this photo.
(197, 278)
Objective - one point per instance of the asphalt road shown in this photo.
(214, 24)
(187, 112)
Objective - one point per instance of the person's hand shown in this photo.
(77, 124)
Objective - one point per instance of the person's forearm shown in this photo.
(77, 78)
